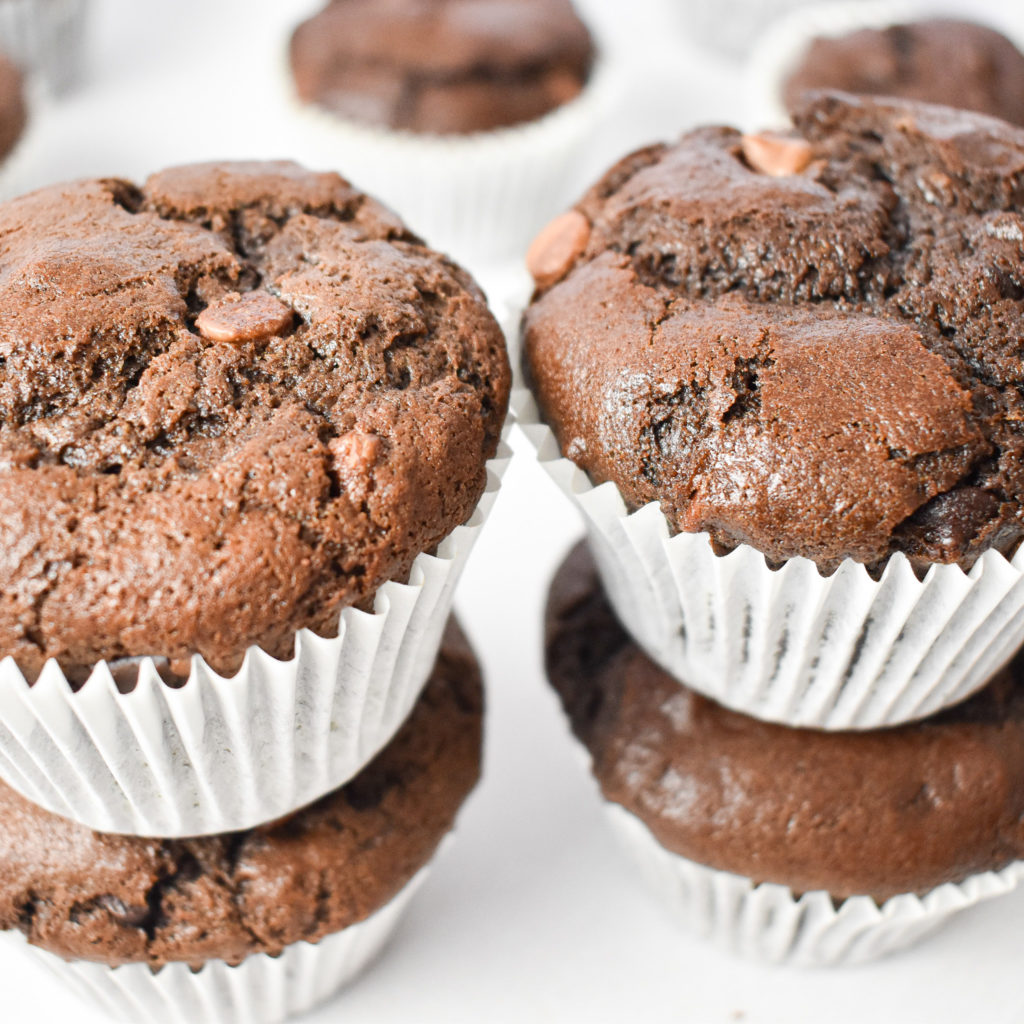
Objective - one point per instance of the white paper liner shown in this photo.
(46, 37)
(780, 49)
(225, 754)
(259, 990)
(789, 645)
(731, 26)
(481, 198)
(767, 922)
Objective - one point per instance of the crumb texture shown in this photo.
(232, 402)
(124, 899)
(442, 66)
(822, 363)
(872, 813)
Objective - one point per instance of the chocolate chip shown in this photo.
(556, 248)
(245, 318)
(776, 154)
(353, 456)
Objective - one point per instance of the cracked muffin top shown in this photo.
(442, 66)
(808, 344)
(126, 899)
(232, 402)
(937, 60)
(874, 813)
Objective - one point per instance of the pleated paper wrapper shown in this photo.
(789, 645)
(260, 990)
(480, 198)
(768, 922)
(224, 754)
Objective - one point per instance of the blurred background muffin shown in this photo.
(939, 60)
(473, 119)
(13, 109)
(442, 66)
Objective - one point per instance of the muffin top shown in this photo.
(13, 111)
(232, 402)
(807, 344)
(125, 899)
(442, 66)
(860, 813)
(958, 63)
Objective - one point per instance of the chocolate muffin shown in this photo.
(234, 401)
(13, 109)
(442, 66)
(806, 344)
(938, 60)
(125, 899)
(877, 813)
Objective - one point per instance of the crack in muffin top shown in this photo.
(232, 402)
(809, 345)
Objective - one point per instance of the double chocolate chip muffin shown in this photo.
(119, 900)
(938, 60)
(234, 401)
(806, 344)
(879, 813)
(442, 66)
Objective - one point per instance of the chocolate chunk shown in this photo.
(776, 154)
(248, 317)
(557, 246)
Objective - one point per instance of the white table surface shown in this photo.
(533, 914)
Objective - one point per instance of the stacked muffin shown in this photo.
(778, 374)
(247, 418)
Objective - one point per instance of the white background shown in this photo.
(533, 914)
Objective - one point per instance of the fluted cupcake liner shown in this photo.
(780, 48)
(789, 645)
(480, 197)
(732, 27)
(222, 754)
(46, 37)
(260, 990)
(768, 922)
